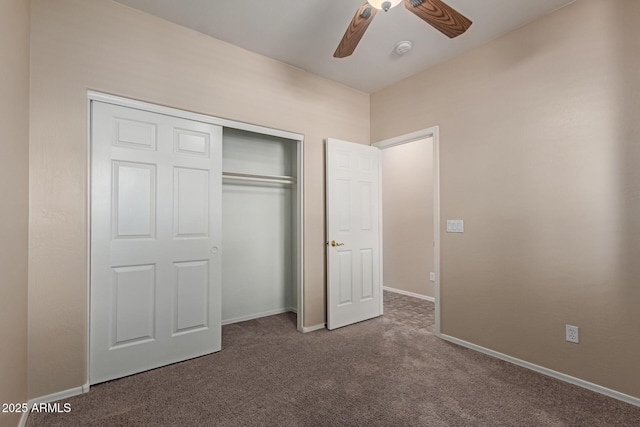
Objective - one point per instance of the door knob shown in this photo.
(334, 243)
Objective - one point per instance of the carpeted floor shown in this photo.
(410, 312)
(389, 371)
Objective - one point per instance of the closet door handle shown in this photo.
(334, 243)
(214, 250)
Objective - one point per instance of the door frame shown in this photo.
(434, 133)
(183, 114)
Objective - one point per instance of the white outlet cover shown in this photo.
(573, 334)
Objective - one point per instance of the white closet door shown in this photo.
(354, 259)
(155, 232)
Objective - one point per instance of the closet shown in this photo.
(258, 225)
(195, 222)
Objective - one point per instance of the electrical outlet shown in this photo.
(432, 277)
(573, 334)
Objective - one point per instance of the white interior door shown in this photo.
(353, 233)
(155, 232)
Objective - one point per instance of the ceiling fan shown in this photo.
(438, 14)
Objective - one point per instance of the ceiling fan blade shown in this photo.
(355, 31)
(440, 16)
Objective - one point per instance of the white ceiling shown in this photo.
(305, 33)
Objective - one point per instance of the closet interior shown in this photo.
(259, 225)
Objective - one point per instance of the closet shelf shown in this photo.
(259, 178)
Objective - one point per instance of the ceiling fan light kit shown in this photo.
(384, 5)
(436, 13)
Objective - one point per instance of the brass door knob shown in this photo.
(334, 243)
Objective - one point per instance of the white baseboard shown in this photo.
(60, 395)
(546, 371)
(258, 315)
(409, 294)
(23, 419)
(52, 398)
(313, 328)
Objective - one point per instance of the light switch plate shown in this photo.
(455, 226)
(432, 276)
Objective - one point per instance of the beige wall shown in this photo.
(539, 154)
(14, 199)
(100, 45)
(407, 211)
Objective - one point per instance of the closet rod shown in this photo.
(259, 178)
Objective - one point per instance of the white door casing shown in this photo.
(353, 223)
(155, 237)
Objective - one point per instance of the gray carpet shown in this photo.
(410, 312)
(390, 371)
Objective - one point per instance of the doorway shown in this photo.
(410, 206)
